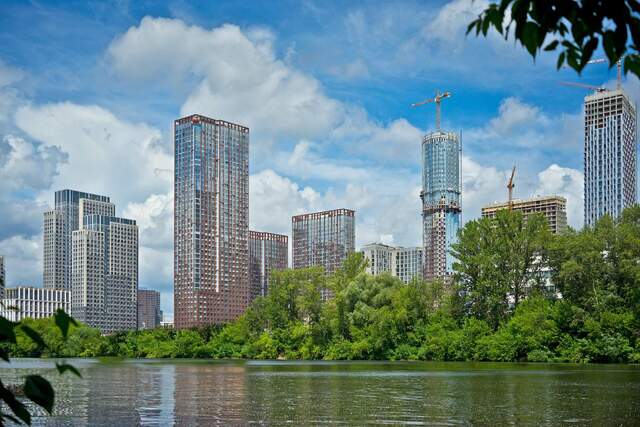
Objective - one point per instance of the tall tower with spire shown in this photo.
(441, 187)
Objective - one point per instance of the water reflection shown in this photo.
(143, 392)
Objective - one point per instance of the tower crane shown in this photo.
(595, 88)
(618, 65)
(437, 99)
(510, 186)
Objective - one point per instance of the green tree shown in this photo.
(577, 27)
(497, 261)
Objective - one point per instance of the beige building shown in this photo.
(36, 303)
(400, 262)
(554, 209)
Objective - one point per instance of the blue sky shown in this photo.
(88, 92)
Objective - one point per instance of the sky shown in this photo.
(89, 91)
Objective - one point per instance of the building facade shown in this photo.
(609, 154)
(267, 252)
(554, 209)
(211, 221)
(104, 287)
(35, 303)
(149, 313)
(59, 224)
(441, 209)
(3, 279)
(403, 263)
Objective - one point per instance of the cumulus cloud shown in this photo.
(568, 183)
(23, 261)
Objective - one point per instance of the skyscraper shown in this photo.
(554, 209)
(267, 252)
(104, 288)
(440, 196)
(609, 154)
(2, 277)
(323, 239)
(211, 221)
(59, 223)
(149, 314)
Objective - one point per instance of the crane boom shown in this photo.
(438, 98)
(510, 186)
(586, 86)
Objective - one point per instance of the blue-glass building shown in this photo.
(440, 196)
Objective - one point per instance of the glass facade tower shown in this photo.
(440, 196)
(211, 221)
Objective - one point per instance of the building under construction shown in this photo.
(323, 239)
(440, 196)
(554, 209)
(267, 252)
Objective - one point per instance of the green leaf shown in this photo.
(529, 37)
(6, 330)
(35, 336)
(632, 63)
(63, 320)
(551, 46)
(560, 60)
(17, 407)
(587, 51)
(608, 45)
(39, 391)
(63, 367)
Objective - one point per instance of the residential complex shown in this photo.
(609, 154)
(554, 209)
(403, 263)
(149, 314)
(59, 224)
(211, 221)
(267, 252)
(323, 239)
(36, 303)
(104, 285)
(440, 196)
(2, 277)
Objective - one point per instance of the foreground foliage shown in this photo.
(496, 309)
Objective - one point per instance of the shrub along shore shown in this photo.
(497, 307)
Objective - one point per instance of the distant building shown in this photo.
(105, 273)
(403, 263)
(267, 252)
(610, 175)
(441, 209)
(59, 224)
(323, 239)
(211, 221)
(2, 277)
(554, 209)
(149, 314)
(36, 303)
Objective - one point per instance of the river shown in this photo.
(115, 392)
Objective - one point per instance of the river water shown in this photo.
(191, 392)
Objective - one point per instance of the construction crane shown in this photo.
(510, 186)
(619, 66)
(595, 88)
(438, 98)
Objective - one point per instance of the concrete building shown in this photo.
(440, 196)
(403, 263)
(211, 221)
(554, 209)
(149, 313)
(104, 287)
(609, 154)
(323, 239)
(267, 252)
(59, 224)
(2, 277)
(35, 303)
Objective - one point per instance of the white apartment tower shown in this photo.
(2, 277)
(609, 154)
(403, 263)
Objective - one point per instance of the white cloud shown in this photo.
(450, 24)
(22, 257)
(566, 182)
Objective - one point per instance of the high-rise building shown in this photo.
(609, 154)
(36, 303)
(267, 252)
(104, 288)
(323, 239)
(149, 313)
(403, 263)
(211, 221)
(2, 277)
(440, 196)
(59, 223)
(554, 209)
